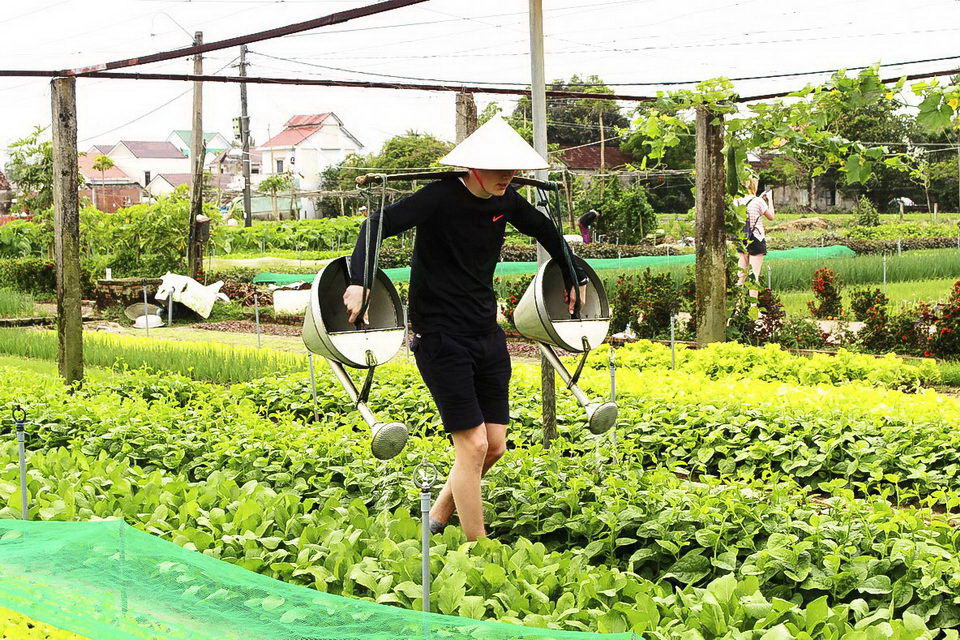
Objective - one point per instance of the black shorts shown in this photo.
(755, 247)
(468, 376)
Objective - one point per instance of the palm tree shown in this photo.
(101, 163)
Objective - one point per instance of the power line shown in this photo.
(333, 18)
(362, 84)
(607, 84)
(152, 111)
(661, 47)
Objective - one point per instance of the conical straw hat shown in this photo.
(495, 145)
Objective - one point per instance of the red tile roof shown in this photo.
(290, 137)
(85, 165)
(307, 120)
(142, 149)
(589, 157)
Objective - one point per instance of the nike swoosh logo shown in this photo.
(495, 218)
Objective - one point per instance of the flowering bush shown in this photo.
(800, 333)
(907, 331)
(826, 290)
(657, 301)
(513, 291)
(643, 303)
(862, 300)
(944, 340)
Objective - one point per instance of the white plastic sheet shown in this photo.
(190, 293)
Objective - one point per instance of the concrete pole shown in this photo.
(538, 98)
(466, 115)
(66, 229)
(245, 141)
(711, 303)
(196, 151)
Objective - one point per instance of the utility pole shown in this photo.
(196, 151)
(466, 115)
(711, 272)
(245, 141)
(538, 98)
(66, 229)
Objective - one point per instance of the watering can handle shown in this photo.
(583, 360)
(364, 394)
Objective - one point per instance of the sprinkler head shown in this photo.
(601, 416)
(389, 439)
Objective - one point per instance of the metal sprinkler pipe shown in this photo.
(20, 418)
(146, 316)
(256, 315)
(425, 476)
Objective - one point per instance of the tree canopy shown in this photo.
(408, 151)
(575, 121)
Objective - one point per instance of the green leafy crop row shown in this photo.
(338, 545)
(624, 512)
(772, 363)
(14, 626)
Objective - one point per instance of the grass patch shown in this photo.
(285, 254)
(208, 361)
(949, 373)
(14, 304)
(797, 275)
(48, 368)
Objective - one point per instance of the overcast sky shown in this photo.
(625, 41)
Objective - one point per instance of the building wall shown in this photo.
(135, 167)
(825, 198)
(159, 187)
(327, 147)
(109, 198)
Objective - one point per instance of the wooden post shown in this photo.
(66, 229)
(568, 190)
(245, 141)
(901, 209)
(466, 115)
(196, 150)
(711, 303)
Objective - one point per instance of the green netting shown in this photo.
(402, 274)
(107, 580)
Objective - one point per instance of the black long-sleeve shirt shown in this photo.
(456, 250)
(588, 218)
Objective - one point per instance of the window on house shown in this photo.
(279, 166)
(255, 171)
(146, 178)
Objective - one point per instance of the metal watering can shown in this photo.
(544, 316)
(328, 332)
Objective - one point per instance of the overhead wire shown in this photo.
(155, 109)
(605, 84)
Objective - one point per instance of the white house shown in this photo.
(307, 146)
(214, 142)
(143, 160)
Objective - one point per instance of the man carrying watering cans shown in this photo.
(460, 350)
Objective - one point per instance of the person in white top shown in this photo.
(752, 246)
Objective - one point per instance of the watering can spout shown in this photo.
(327, 331)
